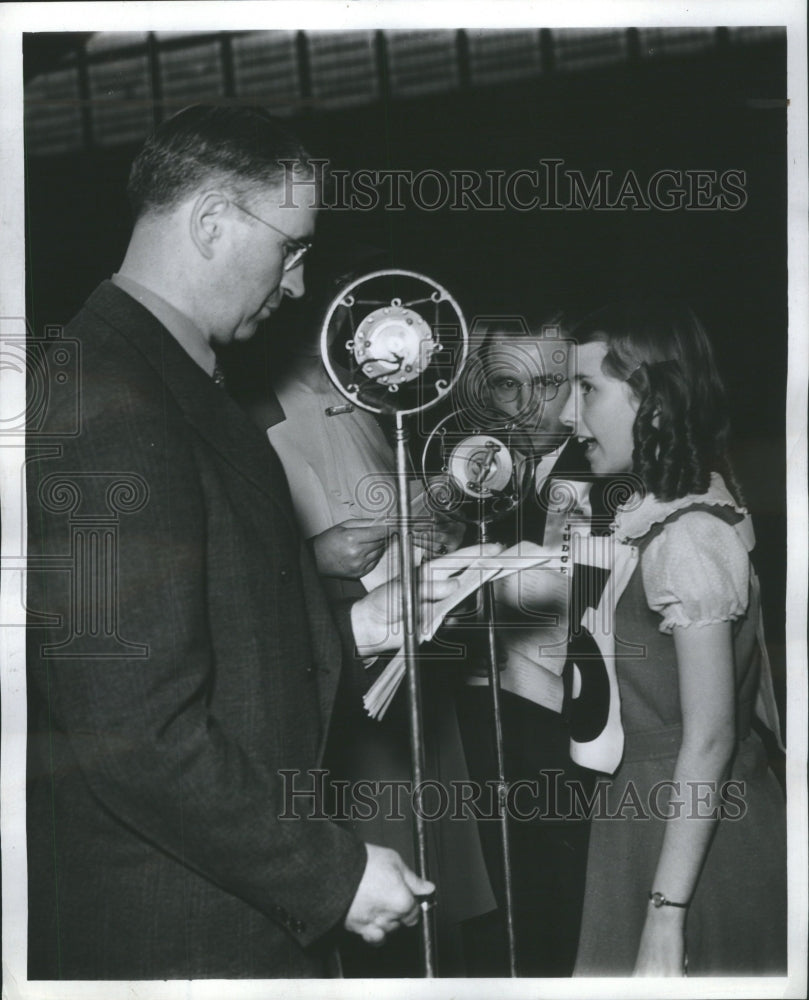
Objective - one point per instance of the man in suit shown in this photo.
(523, 376)
(183, 662)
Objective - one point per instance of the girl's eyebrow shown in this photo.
(579, 376)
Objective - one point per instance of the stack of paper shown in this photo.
(470, 577)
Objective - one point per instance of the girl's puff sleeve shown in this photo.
(696, 572)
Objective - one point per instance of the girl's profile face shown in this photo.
(601, 411)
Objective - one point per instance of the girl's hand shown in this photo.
(662, 944)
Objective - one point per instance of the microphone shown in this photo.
(481, 465)
(473, 472)
(394, 341)
(393, 344)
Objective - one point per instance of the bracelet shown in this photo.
(658, 899)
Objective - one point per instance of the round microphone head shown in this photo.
(473, 472)
(394, 341)
(481, 465)
(393, 345)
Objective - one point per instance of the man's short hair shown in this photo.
(238, 147)
(534, 326)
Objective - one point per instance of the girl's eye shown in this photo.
(586, 387)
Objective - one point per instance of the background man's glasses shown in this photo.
(505, 389)
(294, 250)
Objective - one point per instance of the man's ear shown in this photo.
(206, 221)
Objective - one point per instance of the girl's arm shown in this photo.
(706, 681)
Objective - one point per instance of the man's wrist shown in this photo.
(366, 649)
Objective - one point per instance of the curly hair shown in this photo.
(681, 431)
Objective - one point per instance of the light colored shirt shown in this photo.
(187, 334)
(535, 655)
(339, 466)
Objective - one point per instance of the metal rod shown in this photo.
(502, 787)
(410, 625)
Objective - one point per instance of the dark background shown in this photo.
(723, 108)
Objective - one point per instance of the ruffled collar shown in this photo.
(635, 517)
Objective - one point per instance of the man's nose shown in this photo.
(569, 414)
(292, 283)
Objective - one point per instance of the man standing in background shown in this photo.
(523, 375)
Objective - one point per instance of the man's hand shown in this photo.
(376, 619)
(350, 549)
(386, 896)
(443, 535)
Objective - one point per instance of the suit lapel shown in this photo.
(214, 415)
(240, 443)
(529, 521)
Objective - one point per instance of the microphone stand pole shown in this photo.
(502, 787)
(410, 625)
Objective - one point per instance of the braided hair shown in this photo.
(681, 431)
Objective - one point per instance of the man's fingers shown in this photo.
(373, 934)
(364, 522)
(457, 562)
(433, 543)
(375, 548)
(360, 550)
(412, 917)
(366, 530)
(369, 564)
(418, 886)
(437, 590)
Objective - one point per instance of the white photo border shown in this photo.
(354, 14)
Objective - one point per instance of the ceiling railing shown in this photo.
(113, 88)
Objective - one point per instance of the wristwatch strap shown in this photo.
(658, 899)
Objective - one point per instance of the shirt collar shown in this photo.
(268, 411)
(634, 518)
(187, 334)
(546, 462)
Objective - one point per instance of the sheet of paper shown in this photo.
(471, 576)
(388, 566)
(528, 679)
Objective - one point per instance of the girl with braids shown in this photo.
(686, 865)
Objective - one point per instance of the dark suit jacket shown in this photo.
(192, 659)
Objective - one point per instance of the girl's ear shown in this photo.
(656, 418)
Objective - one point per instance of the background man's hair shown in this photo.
(537, 324)
(237, 147)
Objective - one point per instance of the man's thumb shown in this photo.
(418, 886)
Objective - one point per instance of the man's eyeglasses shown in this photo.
(507, 389)
(294, 250)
